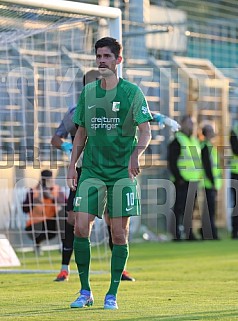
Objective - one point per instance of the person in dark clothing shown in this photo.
(184, 163)
(234, 180)
(212, 183)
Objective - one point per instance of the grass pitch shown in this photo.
(174, 281)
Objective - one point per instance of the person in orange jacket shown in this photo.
(42, 204)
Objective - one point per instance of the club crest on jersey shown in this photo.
(77, 201)
(116, 106)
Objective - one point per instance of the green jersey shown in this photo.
(111, 118)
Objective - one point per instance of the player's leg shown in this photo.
(67, 250)
(89, 202)
(68, 236)
(82, 251)
(125, 274)
(123, 200)
(67, 240)
(107, 220)
(82, 247)
(120, 252)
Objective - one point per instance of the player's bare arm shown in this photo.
(78, 146)
(143, 142)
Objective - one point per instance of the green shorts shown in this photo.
(93, 196)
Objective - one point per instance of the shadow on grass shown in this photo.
(209, 315)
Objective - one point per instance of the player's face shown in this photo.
(106, 61)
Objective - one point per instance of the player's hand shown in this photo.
(133, 167)
(72, 178)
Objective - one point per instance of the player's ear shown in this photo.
(119, 60)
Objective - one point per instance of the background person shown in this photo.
(212, 175)
(234, 176)
(108, 113)
(42, 204)
(184, 163)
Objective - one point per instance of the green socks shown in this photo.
(82, 252)
(119, 257)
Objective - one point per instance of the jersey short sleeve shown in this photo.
(141, 112)
(61, 131)
(67, 126)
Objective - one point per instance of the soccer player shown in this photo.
(108, 114)
(67, 127)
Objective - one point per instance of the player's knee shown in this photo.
(81, 231)
(119, 238)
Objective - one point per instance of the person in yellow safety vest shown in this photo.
(212, 175)
(184, 163)
(42, 204)
(234, 179)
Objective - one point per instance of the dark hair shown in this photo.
(185, 117)
(206, 129)
(46, 173)
(111, 43)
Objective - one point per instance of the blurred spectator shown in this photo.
(234, 177)
(42, 204)
(212, 182)
(184, 162)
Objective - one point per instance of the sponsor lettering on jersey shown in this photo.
(108, 123)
